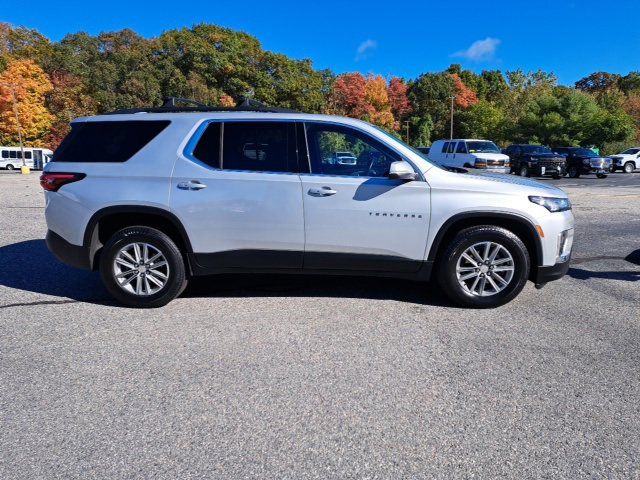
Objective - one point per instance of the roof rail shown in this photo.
(171, 105)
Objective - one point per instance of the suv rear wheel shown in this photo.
(629, 167)
(142, 267)
(484, 267)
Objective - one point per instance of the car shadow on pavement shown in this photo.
(29, 266)
(622, 275)
(581, 274)
(290, 285)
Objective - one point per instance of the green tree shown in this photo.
(430, 95)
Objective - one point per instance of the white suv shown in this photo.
(151, 198)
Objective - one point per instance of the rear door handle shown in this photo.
(191, 185)
(322, 192)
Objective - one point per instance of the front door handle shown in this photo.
(191, 185)
(322, 192)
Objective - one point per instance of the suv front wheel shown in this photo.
(142, 267)
(484, 267)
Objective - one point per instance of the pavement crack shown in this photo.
(54, 302)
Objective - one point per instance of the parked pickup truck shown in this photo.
(583, 161)
(536, 160)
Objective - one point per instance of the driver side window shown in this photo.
(338, 150)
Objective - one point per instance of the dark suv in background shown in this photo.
(583, 161)
(536, 160)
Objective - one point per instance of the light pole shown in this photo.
(407, 125)
(451, 131)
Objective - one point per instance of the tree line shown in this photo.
(50, 83)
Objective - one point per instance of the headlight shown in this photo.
(552, 204)
(586, 161)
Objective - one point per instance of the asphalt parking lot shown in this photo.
(290, 377)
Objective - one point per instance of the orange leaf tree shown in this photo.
(465, 97)
(69, 99)
(362, 97)
(400, 105)
(28, 82)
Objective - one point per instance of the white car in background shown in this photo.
(469, 153)
(627, 161)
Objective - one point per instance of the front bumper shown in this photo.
(73, 255)
(548, 170)
(551, 273)
(495, 169)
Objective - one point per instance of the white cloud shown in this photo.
(365, 49)
(480, 50)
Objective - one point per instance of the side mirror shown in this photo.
(402, 171)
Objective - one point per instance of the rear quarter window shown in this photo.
(107, 142)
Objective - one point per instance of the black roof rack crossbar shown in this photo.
(170, 105)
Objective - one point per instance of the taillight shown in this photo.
(52, 181)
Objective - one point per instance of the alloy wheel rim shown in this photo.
(485, 269)
(140, 269)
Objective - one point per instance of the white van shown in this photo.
(35, 158)
(469, 153)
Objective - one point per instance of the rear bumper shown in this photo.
(73, 255)
(554, 272)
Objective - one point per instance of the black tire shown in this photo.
(601, 175)
(556, 177)
(177, 276)
(629, 167)
(9, 167)
(446, 267)
(524, 171)
(573, 172)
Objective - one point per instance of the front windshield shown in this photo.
(536, 149)
(585, 152)
(482, 147)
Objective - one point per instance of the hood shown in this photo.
(526, 183)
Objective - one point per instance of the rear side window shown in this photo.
(13, 154)
(208, 148)
(107, 142)
(27, 155)
(452, 145)
(462, 147)
(445, 147)
(5, 153)
(259, 146)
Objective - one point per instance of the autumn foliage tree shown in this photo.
(68, 99)
(400, 105)
(25, 80)
(370, 98)
(465, 97)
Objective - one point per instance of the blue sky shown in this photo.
(570, 38)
